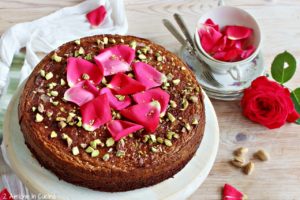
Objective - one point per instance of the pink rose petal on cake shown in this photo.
(96, 16)
(237, 32)
(79, 69)
(153, 94)
(124, 85)
(121, 128)
(95, 113)
(81, 93)
(231, 193)
(145, 114)
(115, 59)
(114, 102)
(248, 52)
(208, 37)
(211, 23)
(148, 75)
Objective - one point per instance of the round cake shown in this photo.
(112, 113)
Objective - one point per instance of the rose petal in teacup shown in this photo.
(208, 37)
(237, 32)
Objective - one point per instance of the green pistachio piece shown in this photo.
(146, 138)
(130, 75)
(83, 145)
(95, 142)
(120, 153)
(69, 141)
(170, 134)
(62, 82)
(171, 117)
(168, 142)
(54, 93)
(176, 136)
(89, 149)
(53, 134)
(64, 136)
(176, 81)
(160, 140)
(113, 41)
(133, 44)
(188, 126)
(49, 113)
(38, 117)
(154, 149)
(56, 58)
(79, 123)
(76, 53)
(159, 58)
(142, 57)
(120, 97)
(110, 142)
(62, 124)
(81, 51)
(88, 57)
(173, 104)
(121, 40)
(33, 109)
(43, 73)
(105, 40)
(49, 75)
(194, 99)
(104, 81)
(105, 157)
(153, 138)
(75, 151)
(95, 153)
(41, 108)
(195, 122)
(185, 104)
(85, 76)
(55, 103)
(77, 42)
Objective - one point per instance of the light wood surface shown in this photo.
(277, 179)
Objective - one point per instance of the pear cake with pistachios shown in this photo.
(112, 113)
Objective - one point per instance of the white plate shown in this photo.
(249, 72)
(41, 181)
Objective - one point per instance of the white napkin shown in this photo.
(47, 33)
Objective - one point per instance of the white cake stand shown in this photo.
(42, 182)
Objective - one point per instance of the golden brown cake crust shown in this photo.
(140, 167)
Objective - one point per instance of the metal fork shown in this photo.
(205, 72)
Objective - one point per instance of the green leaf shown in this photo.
(295, 95)
(283, 67)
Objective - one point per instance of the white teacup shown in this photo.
(226, 15)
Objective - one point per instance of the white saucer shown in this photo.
(41, 181)
(232, 89)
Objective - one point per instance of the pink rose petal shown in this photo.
(79, 69)
(121, 128)
(145, 114)
(95, 113)
(208, 37)
(153, 94)
(211, 23)
(114, 102)
(229, 192)
(81, 93)
(115, 59)
(124, 85)
(228, 56)
(247, 52)
(237, 32)
(96, 16)
(148, 75)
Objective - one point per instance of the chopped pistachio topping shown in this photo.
(145, 49)
(120, 97)
(104, 81)
(49, 113)
(173, 104)
(62, 124)
(105, 157)
(105, 40)
(194, 99)
(80, 51)
(43, 73)
(130, 135)
(33, 109)
(77, 42)
(60, 119)
(171, 117)
(54, 93)
(121, 40)
(170, 134)
(49, 75)
(130, 75)
(69, 141)
(88, 57)
(85, 76)
(56, 58)
(110, 142)
(79, 123)
(75, 151)
(185, 104)
(89, 149)
(38, 117)
(64, 136)
(153, 138)
(168, 142)
(55, 103)
(187, 126)
(113, 41)
(176, 81)
(142, 57)
(120, 153)
(95, 153)
(133, 44)
(146, 138)
(154, 149)
(195, 121)
(62, 82)
(95, 142)
(160, 140)
(176, 136)
(83, 145)
(53, 134)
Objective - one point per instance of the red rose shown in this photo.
(268, 103)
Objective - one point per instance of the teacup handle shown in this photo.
(235, 73)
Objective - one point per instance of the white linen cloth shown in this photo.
(44, 35)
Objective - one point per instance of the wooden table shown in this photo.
(278, 179)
